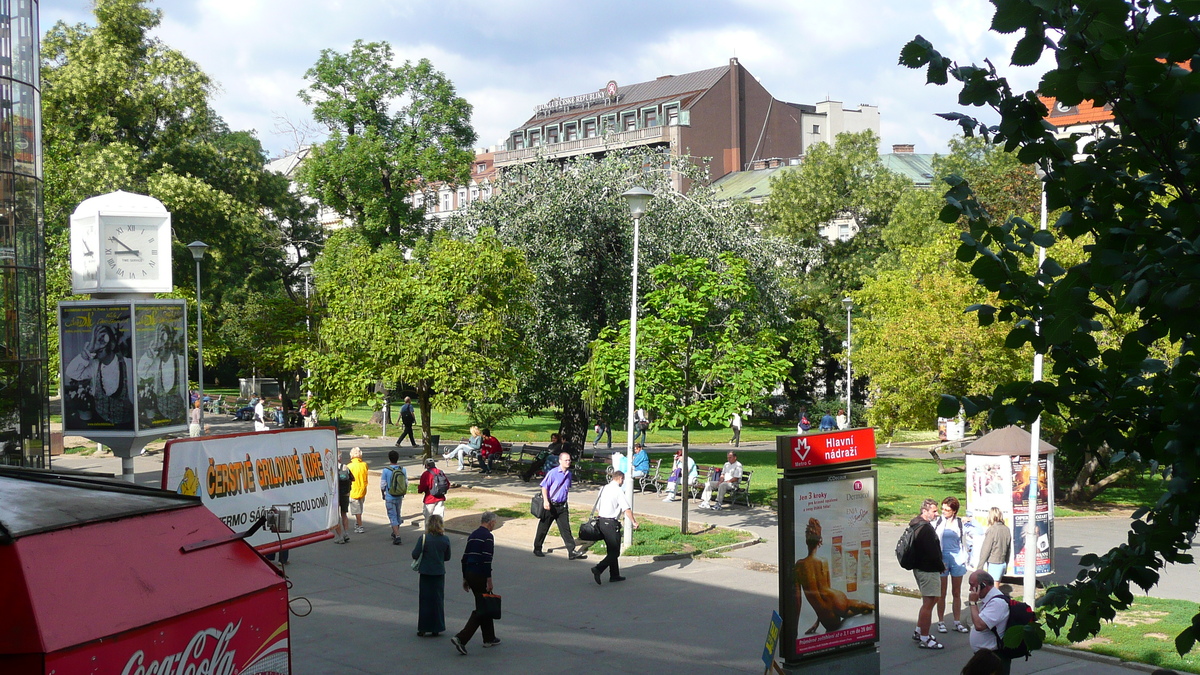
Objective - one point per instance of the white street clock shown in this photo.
(121, 243)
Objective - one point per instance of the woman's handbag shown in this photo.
(416, 564)
(536, 506)
(489, 606)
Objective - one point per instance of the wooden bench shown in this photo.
(741, 492)
(517, 461)
(593, 471)
(652, 479)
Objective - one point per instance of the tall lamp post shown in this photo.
(637, 197)
(1029, 579)
(198, 248)
(849, 304)
(306, 270)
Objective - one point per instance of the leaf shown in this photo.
(948, 406)
(1029, 48)
(1186, 639)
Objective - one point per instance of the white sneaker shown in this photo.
(359, 530)
(704, 505)
(669, 498)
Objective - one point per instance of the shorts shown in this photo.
(343, 504)
(953, 569)
(356, 506)
(928, 583)
(393, 511)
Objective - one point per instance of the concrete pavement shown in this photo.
(695, 616)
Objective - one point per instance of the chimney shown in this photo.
(774, 163)
(900, 148)
(758, 165)
(733, 154)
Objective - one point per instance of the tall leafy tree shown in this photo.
(575, 230)
(449, 321)
(392, 129)
(1131, 193)
(124, 111)
(701, 355)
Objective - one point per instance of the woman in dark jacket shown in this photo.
(997, 545)
(433, 550)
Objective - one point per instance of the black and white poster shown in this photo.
(96, 345)
(161, 359)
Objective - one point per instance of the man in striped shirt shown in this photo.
(477, 578)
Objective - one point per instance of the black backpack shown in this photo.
(345, 479)
(1019, 616)
(904, 547)
(406, 415)
(441, 484)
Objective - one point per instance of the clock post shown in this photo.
(124, 375)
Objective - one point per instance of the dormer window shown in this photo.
(589, 129)
(551, 135)
(570, 133)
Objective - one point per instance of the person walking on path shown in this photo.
(260, 416)
(996, 546)
(927, 569)
(956, 550)
(989, 615)
(434, 502)
(556, 488)
(392, 501)
(358, 490)
(610, 506)
(477, 578)
(408, 418)
(735, 424)
(432, 550)
(602, 428)
(641, 424)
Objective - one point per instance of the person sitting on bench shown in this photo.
(731, 476)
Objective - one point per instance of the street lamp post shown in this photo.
(849, 304)
(637, 197)
(306, 270)
(1029, 579)
(198, 248)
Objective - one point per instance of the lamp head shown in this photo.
(198, 248)
(305, 268)
(848, 303)
(637, 197)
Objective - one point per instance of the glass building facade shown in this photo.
(24, 401)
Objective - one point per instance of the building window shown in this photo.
(481, 167)
(487, 192)
(672, 116)
(589, 129)
(843, 232)
(474, 193)
(462, 197)
(551, 135)
(570, 133)
(608, 124)
(650, 118)
(518, 142)
(535, 138)
(628, 121)
(418, 200)
(816, 128)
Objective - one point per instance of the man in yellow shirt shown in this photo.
(358, 489)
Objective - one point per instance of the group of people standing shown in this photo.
(943, 551)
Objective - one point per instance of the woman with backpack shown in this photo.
(997, 545)
(431, 553)
(345, 480)
(956, 550)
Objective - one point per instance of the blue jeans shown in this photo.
(996, 570)
(393, 511)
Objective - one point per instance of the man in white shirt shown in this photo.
(989, 615)
(610, 506)
(735, 424)
(260, 420)
(731, 475)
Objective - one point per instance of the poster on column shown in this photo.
(96, 346)
(239, 477)
(162, 382)
(989, 484)
(835, 591)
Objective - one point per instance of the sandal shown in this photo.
(916, 635)
(961, 628)
(930, 644)
(941, 626)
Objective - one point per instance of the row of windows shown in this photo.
(592, 127)
(445, 198)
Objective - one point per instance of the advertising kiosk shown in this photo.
(828, 545)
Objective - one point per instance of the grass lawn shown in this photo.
(1144, 633)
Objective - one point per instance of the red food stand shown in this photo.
(103, 576)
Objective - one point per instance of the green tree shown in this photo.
(124, 111)
(845, 180)
(376, 156)
(448, 321)
(575, 229)
(1133, 195)
(701, 357)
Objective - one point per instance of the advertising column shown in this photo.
(828, 547)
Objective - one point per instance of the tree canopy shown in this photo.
(392, 130)
(1131, 195)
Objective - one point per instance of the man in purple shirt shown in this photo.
(555, 488)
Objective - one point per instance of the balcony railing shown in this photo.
(584, 146)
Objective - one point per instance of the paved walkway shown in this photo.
(694, 616)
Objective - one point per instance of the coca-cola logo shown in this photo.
(192, 660)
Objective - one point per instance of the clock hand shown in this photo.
(121, 243)
(87, 250)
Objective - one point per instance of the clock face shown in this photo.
(85, 255)
(131, 250)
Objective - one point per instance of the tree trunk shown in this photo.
(426, 428)
(573, 427)
(1083, 490)
(683, 483)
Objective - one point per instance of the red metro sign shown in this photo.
(836, 447)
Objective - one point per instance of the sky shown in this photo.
(507, 56)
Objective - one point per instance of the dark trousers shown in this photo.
(478, 585)
(557, 513)
(407, 432)
(610, 530)
(538, 463)
(485, 463)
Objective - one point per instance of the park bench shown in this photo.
(652, 479)
(592, 471)
(741, 492)
(518, 461)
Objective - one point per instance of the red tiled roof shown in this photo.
(1085, 113)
